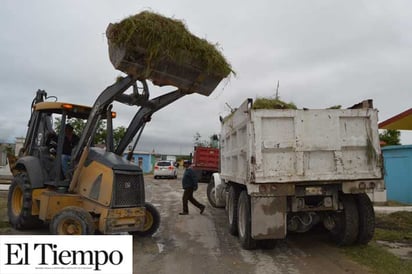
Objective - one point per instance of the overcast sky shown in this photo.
(324, 53)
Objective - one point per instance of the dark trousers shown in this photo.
(188, 196)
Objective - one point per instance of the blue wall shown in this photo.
(145, 163)
(398, 172)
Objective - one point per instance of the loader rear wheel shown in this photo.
(72, 220)
(245, 222)
(20, 203)
(152, 222)
(211, 193)
(232, 207)
(346, 227)
(366, 218)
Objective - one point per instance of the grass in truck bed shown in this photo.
(268, 103)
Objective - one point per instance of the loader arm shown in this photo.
(115, 92)
(144, 114)
(100, 105)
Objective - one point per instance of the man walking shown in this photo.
(189, 184)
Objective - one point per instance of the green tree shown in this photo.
(7, 148)
(118, 134)
(212, 142)
(197, 140)
(101, 133)
(390, 137)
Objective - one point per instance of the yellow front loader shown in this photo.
(102, 191)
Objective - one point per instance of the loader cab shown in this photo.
(45, 143)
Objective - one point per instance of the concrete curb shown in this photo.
(391, 209)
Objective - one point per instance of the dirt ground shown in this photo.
(202, 244)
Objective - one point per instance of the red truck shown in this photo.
(205, 162)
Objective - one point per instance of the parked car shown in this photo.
(165, 169)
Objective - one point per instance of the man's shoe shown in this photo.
(184, 213)
(202, 209)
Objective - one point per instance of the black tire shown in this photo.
(20, 202)
(346, 222)
(72, 220)
(245, 222)
(232, 205)
(155, 177)
(152, 222)
(366, 218)
(211, 193)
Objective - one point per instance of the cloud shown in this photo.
(323, 53)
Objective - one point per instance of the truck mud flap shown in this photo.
(268, 217)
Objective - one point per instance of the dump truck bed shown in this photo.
(206, 158)
(287, 145)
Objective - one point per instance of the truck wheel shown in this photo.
(20, 203)
(211, 193)
(151, 224)
(244, 222)
(72, 220)
(346, 227)
(232, 207)
(366, 218)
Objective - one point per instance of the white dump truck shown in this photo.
(289, 169)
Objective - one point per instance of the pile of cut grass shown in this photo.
(166, 38)
(268, 103)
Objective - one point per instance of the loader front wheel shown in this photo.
(245, 222)
(72, 220)
(232, 206)
(20, 202)
(152, 222)
(345, 231)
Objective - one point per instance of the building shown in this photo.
(398, 172)
(145, 160)
(5, 172)
(398, 160)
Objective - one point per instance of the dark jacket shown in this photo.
(68, 145)
(189, 179)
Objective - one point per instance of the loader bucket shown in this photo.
(162, 73)
(150, 46)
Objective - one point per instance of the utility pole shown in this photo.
(277, 91)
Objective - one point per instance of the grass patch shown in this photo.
(3, 211)
(394, 227)
(400, 220)
(4, 224)
(393, 235)
(378, 259)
